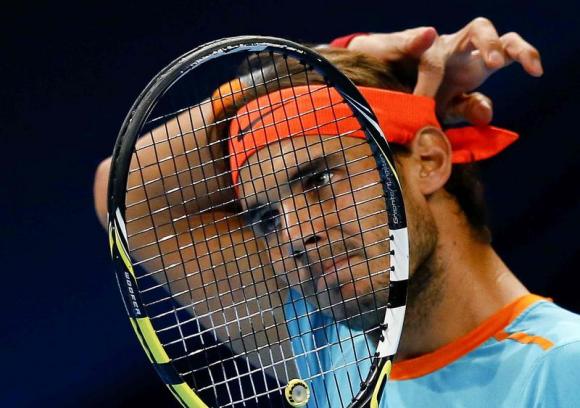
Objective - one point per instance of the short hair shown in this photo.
(464, 183)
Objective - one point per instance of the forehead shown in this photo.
(275, 164)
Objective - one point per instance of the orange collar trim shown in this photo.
(428, 363)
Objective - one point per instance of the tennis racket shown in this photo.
(257, 229)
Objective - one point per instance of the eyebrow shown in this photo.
(324, 161)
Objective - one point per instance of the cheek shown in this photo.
(284, 266)
(358, 201)
(367, 215)
(370, 213)
(423, 233)
(275, 257)
(363, 289)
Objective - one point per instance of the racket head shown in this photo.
(175, 308)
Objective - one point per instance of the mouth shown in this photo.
(335, 273)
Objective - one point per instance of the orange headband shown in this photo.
(319, 110)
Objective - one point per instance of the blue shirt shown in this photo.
(526, 355)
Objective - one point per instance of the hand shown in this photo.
(451, 65)
(393, 47)
(459, 63)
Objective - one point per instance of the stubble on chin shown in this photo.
(425, 289)
(425, 292)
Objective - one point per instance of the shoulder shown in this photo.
(552, 380)
(549, 321)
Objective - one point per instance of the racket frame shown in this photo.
(372, 388)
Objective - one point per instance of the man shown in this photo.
(485, 340)
(472, 330)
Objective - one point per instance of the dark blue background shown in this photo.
(69, 75)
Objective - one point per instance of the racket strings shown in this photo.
(377, 242)
(266, 327)
(221, 96)
(381, 197)
(189, 290)
(166, 285)
(377, 273)
(280, 362)
(228, 203)
(360, 217)
(181, 134)
(244, 228)
(310, 216)
(172, 306)
(333, 194)
(225, 205)
(170, 158)
(254, 334)
(256, 350)
(245, 317)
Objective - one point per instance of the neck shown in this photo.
(468, 283)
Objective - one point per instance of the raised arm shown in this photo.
(170, 156)
(182, 232)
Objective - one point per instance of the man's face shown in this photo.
(319, 205)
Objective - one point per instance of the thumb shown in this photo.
(475, 108)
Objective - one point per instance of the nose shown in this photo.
(303, 226)
(297, 248)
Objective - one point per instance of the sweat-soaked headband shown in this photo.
(320, 110)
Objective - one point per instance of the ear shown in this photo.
(431, 152)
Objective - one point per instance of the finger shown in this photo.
(430, 73)
(484, 37)
(475, 108)
(417, 41)
(391, 47)
(523, 52)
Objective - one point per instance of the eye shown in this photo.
(317, 180)
(264, 220)
(269, 221)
